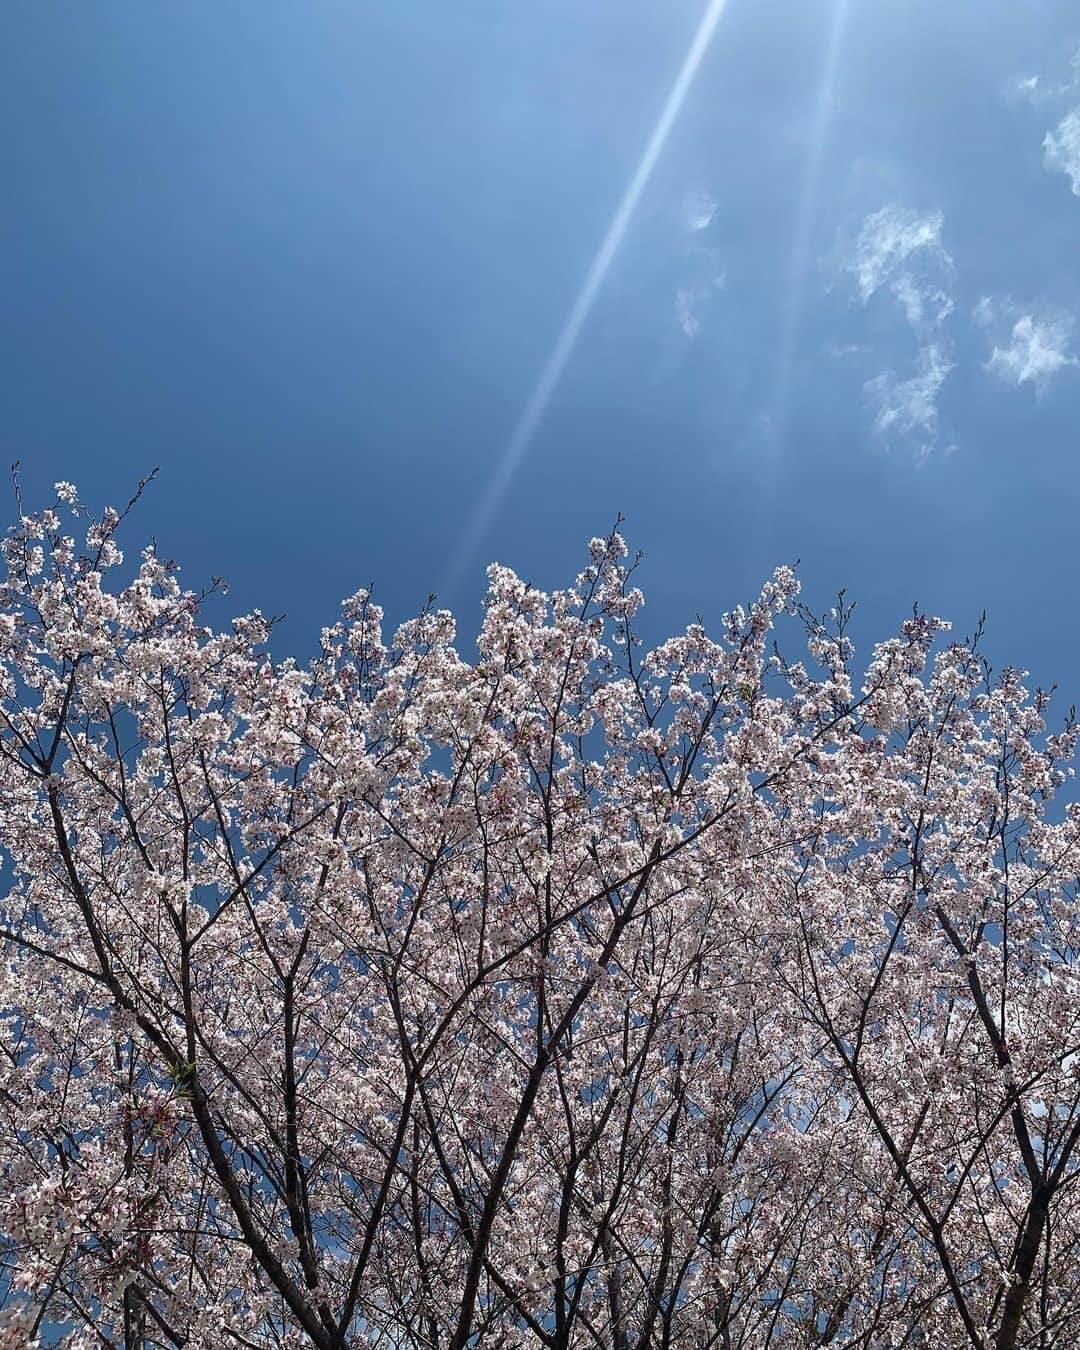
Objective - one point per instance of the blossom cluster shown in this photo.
(564, 994)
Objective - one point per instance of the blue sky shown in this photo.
(320, 260)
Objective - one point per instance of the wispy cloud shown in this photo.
(984, 312)
(699, 211)
(1026, 87)
(1061, 149)
(924, 306)
(692, 302)
(1061, 144)
(1038, 90)
(887, 241)
(907, 410)
(701, 270)
(1038, 346)
(900, 252)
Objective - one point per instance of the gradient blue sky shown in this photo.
(313, 259)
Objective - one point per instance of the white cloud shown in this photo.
(1061, 149)
(1037, 91)
(702, 272)
(687, 310)
(692, 301)
(901, 251)
(888, 239)
(700, 210)
(1027, 87)
(1031, 89)
(924, 306)
(984, 312)
(908, 409)
(1038, 350)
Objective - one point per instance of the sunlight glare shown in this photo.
(804, 226)
(553, 369)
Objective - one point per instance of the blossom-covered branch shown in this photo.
(563, 994)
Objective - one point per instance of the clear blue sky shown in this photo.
(314, 258)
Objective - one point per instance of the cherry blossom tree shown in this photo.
(564, 994)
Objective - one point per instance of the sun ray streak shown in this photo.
(804, 228)
(541, 395)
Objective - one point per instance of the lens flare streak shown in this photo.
(805, 220)
(552, 372)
